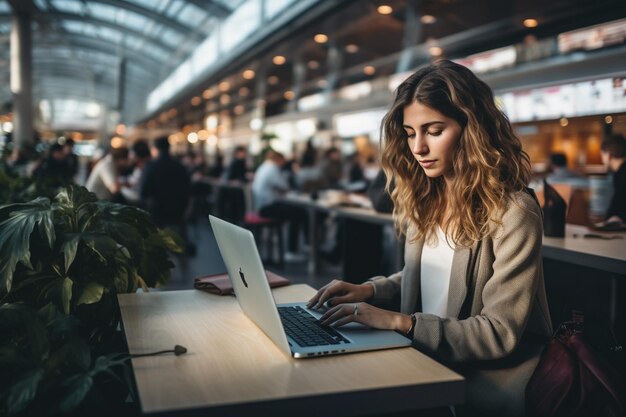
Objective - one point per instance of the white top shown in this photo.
(435, 275)
(102, 178)
(269, 183)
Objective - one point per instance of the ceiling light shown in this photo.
(320, 38)
(608, 119)
(224, 99)
(192, 137)
(352, 48)
(244, 91)
(224, 86)
(248, 74)
(384, 9)
(369, 70)
(273, 80)
(239, 109)
(531, 23)
(208, 93)
(313, 65)
(289, 95)
(563, 121)
(435, 51)
(279, 60)
(196, 101)
(428, 19)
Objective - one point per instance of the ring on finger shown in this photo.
(356, 310)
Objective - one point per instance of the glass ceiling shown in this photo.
(79, 47)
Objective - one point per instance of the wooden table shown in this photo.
(233, 369)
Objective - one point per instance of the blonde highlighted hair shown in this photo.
(488, 164)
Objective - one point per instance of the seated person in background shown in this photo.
(268, 185)
(613, 151)
(472, 290)
(560, 174)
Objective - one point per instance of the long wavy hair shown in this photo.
(488, 163)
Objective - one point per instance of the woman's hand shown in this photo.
(337, 292)
(366, 314)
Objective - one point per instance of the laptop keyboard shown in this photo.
(304, 328)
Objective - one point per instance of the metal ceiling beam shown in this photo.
(23, 6)
(216, 9)
(105, 23)
(60, 16)
(146, 77)
(78, 73)
(144, 11)
(96, 44)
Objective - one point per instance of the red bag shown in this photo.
(572, 380)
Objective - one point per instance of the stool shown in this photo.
(257, 224)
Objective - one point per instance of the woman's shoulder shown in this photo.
(524, 201)
(522, 209)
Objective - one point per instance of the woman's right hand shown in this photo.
(339, 292)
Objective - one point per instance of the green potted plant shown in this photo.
(62, 263)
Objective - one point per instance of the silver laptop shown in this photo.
(292, 327)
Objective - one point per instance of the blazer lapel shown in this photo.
(458, 281)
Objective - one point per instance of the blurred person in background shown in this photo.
(613, 151)
(165, 187)
(140, 156)
(104, 178)
(331, 169)
(238, 169)
(472, 290)
(268, 185)
(559, 173)
(70, 159)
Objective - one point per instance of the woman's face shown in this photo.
(432, 138)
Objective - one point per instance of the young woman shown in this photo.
(472, 291)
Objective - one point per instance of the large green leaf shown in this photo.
(69, 248)
(59, 292)
(23, 391)
(17, 222)
(73, 197)
(66, 294)
(78, 387)
(105, 247)
(91, 293)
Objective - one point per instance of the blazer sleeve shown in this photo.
(507, 296)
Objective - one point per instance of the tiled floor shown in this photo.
(208, 260)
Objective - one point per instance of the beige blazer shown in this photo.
(496, 302)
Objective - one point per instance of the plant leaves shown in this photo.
(17, 222)
(91, 293)
(73, 196)
(23, 390)
(69, 248)
(171, 240)
(102, 245)
(78, 387)
(66, 294)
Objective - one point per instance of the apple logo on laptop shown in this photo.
(243, 277)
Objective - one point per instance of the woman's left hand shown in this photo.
(367, 314)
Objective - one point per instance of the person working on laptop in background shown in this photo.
(472, 290)
(613, 151)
